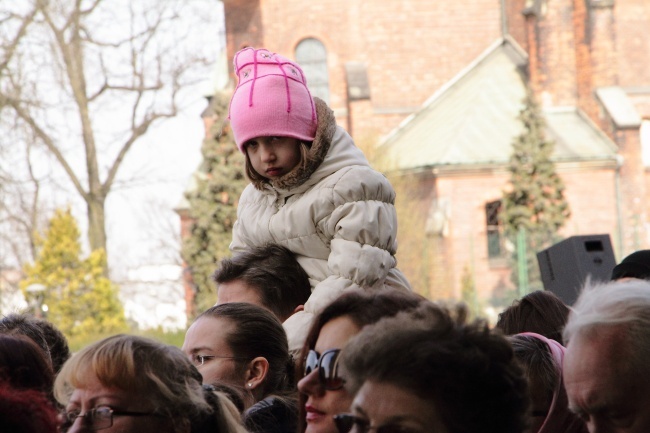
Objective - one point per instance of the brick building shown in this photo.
(436, 87)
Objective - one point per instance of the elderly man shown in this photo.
(607, 361)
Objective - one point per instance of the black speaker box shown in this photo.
(566, 265)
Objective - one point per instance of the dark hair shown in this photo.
(56, 341)
(541, 358)
(541, 312)
(468, 373)
(26, 411)
(273, 271)
(363, 308)
(42, 332)
(220, 417)
(257, 332)
(636, 265)
(23, 364)
(535, 357)
(21, 324)
(236, 394)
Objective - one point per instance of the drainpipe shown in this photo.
(619, 206)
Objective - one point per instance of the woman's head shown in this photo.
(322, 393)
(271, 98)
(47, 336)
(241, 344)
(541, 359)
(541, 312)
(456, 376)
(135, 385)
(24, 365)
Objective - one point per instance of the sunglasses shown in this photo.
(328, 368)
(346, 422)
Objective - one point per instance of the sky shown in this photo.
(143, 230)
(142, 227)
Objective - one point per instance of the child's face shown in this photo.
(273, 157)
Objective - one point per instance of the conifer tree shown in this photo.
(213, 205)
(80, 300)
(535, 202)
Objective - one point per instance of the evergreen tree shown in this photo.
(213, 205)
(80, 300)
(535, 203)
(468, 292)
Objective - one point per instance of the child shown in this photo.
(312, 190)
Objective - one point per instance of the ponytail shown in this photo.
(222, 416)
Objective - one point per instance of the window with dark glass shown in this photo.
(495, 240)
(311, 55)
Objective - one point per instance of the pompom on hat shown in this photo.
(271, 98)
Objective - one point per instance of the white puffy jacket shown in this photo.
(337, 217)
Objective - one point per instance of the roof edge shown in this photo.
(458, 77)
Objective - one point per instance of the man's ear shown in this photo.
(300, 307)
(258, 368)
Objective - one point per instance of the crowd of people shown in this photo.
(315, 330)
(382, 360)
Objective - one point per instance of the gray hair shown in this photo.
(614, 304)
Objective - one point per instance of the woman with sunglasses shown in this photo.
(131, 384)
(244, 346)
(321, 389)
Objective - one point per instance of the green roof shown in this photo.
(473, 120)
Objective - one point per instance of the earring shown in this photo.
(250, 385)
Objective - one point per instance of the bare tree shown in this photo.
(84, 80)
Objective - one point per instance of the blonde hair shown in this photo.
(163, 373)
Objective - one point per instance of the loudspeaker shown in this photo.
(566, 265)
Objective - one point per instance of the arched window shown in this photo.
(311, 55)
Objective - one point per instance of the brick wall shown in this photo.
(516, 21)
(243, 26)
(582, 26)
(632, 27)
(633, 192)
(410, 47)
(468, 231)
(465, 245)
(556, 54)
(592, 198)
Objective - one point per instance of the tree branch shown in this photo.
(10, 49)
(49, 143)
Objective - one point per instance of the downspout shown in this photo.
(619, 207)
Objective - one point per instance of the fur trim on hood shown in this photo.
(317, 152)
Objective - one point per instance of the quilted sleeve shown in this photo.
(362, 228)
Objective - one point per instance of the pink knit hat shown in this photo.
(271, 98)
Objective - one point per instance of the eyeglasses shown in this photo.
(328, 368)
(199, 360)
(98, 418)
(346, 422)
